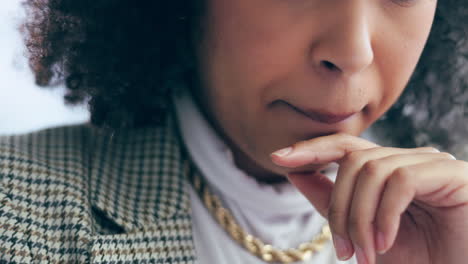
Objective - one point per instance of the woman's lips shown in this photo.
(323, 116)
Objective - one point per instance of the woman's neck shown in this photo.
(241, 160)
(246, 164)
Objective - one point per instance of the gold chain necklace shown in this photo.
(253, 244)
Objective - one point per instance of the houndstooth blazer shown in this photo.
(77, 194)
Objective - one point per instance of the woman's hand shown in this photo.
(411, 205)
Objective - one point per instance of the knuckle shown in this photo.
(402, 174)
(381, 219)
(402, 178)
(336, 219)
(355, 226)
(359, 228)
(384, 220)
(354, 157)
(372, 167)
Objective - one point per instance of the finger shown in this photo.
(316, 187)
(421, 182)
(368, 191)
(341, 197)
(320, 150)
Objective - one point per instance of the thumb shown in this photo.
(316, 187)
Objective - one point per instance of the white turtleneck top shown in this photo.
(278, 214)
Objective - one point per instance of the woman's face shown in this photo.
(268, 65)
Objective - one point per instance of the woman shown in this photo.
(210, 91)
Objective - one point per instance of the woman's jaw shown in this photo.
(274, 73)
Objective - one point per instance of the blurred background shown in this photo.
(24, 107)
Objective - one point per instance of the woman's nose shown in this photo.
(345, 47)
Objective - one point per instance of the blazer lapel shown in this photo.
(137, 181)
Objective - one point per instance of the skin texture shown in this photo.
(340, 57)
(417, 199)
(334, 56)
(128, 57)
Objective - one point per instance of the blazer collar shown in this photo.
(137, 175)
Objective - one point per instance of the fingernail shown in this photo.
(361, 257)
(283, 152)
(380, 241)
(342, 247)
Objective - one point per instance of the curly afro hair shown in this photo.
(123, 58)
